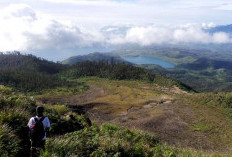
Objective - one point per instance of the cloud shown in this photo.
(188, 33)
(22, 28)
(221, 38)
(59, 36)
(208, 25)
(22, 11)
(225, 6)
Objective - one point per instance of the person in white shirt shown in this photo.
(38, 142)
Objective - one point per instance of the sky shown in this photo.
(57, 29)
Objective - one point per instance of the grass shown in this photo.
(17, 109)
(202, 127)
(211, 119)
(121, 95)
(211, 115)
(9, 143)
(228, 112)
(110, 141)
(81, 87)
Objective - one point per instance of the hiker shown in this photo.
(38, 126)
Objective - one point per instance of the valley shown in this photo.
(205, 70)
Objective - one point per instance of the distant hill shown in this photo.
(121, 71)
(29, 73)
(204, 75)
(94, 57)
(17, 61)
(204, 63)
(223, 28)
(32, 74)
(203, 70)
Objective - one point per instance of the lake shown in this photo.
(149, 60)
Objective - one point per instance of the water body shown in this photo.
(149, 60)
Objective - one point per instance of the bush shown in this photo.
(107, 140)
(17, 109)
(9, 143)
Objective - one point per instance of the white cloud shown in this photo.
(221, 38)
(208, 25)
(23, 28)
(23, 11)
(225, 6)
(191, 34)
(188, 33)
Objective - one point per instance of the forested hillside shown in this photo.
(94, 57)
(205, 70)
(17, 61)
(29, 73)
(204, 75)
(32, 74)
(121, 71)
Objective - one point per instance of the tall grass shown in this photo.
(109, 141)
(15, 112)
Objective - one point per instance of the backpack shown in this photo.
(37, 131)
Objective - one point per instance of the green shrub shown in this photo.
(9, 143)
(17, 109)
(5, 90)
(107, 140)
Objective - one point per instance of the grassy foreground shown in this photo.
(75, 137)
(109, 140)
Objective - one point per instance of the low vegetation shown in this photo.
(164, 110)
(84, 139)
(17, 109)
(121, 71)
(109, 140)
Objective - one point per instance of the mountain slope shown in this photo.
(204, 63)
(17, 61)
(181, 119)
(204, 74)
(94, 57)
(29, 73)
(121, 71)
(194, 124)
(15, 111)
(223, 28)
(71, 133)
